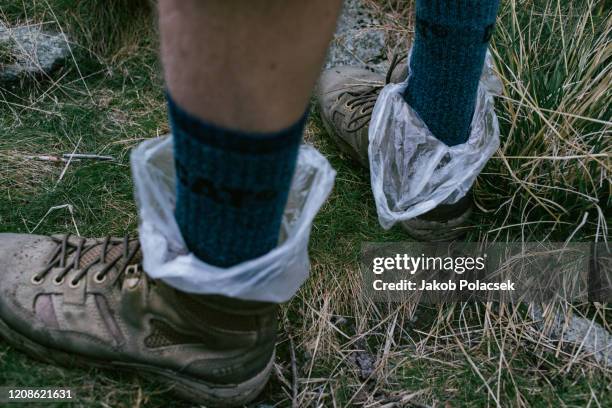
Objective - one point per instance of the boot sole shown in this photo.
(437, 231)
(189, 388)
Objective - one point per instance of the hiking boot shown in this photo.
(87, 302)
(346, 97)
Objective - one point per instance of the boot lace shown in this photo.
(362, 102)
(65, 248)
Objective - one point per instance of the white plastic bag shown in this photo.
(411, 171)
(273, 277)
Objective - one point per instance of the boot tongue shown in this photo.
(91, 254)
(114, 251)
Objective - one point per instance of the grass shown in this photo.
(550, 180)
(7, 53)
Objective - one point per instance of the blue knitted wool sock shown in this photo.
(232, 186)
(447, 58)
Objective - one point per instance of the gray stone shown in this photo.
(29, 51)
(584, 333)
(359, 40)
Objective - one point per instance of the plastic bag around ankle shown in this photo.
(273, 277)
(411, 171)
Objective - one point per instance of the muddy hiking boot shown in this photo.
(87, 302)
(346, 97)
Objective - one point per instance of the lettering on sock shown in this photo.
(234, 197)
(428, 30)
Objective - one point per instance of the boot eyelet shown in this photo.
(131, 269)
(59, 281)
(37, 280)
(74, 284)
(99, 279)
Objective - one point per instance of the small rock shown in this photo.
(593, 338)
(358, 41)
(364, 361)
(29, 50)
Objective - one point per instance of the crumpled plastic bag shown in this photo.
(273, 277)
(411, 171)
